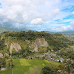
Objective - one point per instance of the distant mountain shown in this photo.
(48, 31)
(59, 32)
(66, 32)
(3, 29)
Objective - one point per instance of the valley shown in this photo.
(36, 36)
(25, 52)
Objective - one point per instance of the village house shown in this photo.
(3, 68)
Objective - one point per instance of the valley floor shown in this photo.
(25, 66)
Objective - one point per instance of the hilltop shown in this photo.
(30, 42)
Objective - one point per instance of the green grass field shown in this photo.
(23, 66)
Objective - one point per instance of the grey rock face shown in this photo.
(16, 46)
(1, 55)
(38, 43)
(6, 54)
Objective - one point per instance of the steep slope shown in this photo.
(15, 46)
(38, 43)
(69, 36)
(32, 41)
(1, 55)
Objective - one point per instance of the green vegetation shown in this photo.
(24, 66)
(6, 63)
(36, 66)
(69, 36)
(56, 41)
(2, 62)
(66, 53)
(59, 46)
(2, 44)
(6, 72)
(47, 70)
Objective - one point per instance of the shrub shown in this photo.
(47, 70)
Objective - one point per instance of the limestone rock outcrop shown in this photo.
(27, 41)
(7, 44)
(38, 43)
(15, 46)
(6, 54)
(1, 55)
(2, 38)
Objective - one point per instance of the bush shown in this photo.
(47, 70)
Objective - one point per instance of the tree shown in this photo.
(13, 52)
(47, 70)
(9, 64)
(2, 62)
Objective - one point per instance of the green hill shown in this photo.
(69, 36)
(3, 29)
(29, 40)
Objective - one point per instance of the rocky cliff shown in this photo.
(16, 46)
(1, 55)
(38, 43)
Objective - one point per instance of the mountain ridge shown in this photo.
(3, 29)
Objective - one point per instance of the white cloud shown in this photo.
(61, 19)
(56, 11)
(73, 12)
(64, 28)
(62, 15)
(67, 20)
(72, 23)
(37, 21)
(19, 13)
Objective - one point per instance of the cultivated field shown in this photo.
(25, 66)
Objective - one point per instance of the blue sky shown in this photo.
(39, 15)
